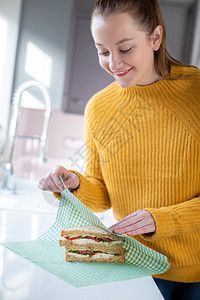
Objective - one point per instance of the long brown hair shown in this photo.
(148, 16)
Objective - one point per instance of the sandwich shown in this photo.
(92, 243)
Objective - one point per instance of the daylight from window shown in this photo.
(38, 64)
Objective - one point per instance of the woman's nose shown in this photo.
(115, 62)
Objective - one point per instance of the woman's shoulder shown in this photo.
(185, 103)
(101, 101)
(103, 95)
(186, 82)
(185, 72)
(102, 107)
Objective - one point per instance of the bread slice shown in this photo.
(93, 231)
(92, 243)
(83, 244)
(99, 257)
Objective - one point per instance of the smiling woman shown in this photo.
(147, 19)
(82, 53)
(143, 140)
(129, 60)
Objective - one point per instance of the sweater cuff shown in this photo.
(81, 183)
(58, 195)
(91, 194)
(164, 224)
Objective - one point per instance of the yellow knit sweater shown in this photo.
(143, 148)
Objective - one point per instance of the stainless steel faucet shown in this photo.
(8, 182)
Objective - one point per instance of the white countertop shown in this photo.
(27, 216)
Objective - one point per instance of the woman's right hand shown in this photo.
(52, 181)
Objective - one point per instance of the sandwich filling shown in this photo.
(98, 240)
(92, 243)
(91, 253)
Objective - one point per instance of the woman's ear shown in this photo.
(157, 37)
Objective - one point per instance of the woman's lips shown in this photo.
(123, 73)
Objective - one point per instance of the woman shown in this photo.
(143, 142)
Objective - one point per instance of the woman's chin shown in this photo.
(125, 85)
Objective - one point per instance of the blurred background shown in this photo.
(48, 44)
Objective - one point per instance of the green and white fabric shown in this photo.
(46, 253)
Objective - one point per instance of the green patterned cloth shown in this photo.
(46, 253)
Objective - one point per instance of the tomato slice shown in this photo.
(96, 240)
(107, 239)
(92, 238)
(72, 238)
(94, 252)
(82, 251)
(89, 237)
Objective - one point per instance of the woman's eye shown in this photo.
(104, 53)
(125, 51)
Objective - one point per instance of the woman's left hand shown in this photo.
(139, 222)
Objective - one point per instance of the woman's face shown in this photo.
(124, 51)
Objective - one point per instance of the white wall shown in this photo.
(9, 18)
(180, 18)
(46, 25)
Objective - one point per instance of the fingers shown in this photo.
(123, 223)
(55, 177)
(47, 184)
(140, 222)
(141, 230)
(52, 181)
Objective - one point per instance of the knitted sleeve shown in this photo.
(92, 190)
(183, 217)
(176, 219)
